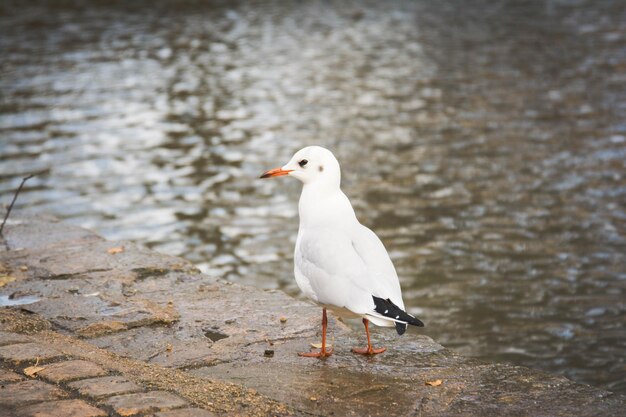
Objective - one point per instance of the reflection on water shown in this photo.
(483, 141)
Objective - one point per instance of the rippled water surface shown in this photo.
(484, 141)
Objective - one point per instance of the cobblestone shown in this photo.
(64, 408)
(7, 376)
(26, 392)
(105, 386)
(27, 352)
(69, 370)
(186, 412)
(7, 338)
(132, 404)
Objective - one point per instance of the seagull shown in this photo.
(338, 262)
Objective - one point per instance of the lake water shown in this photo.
(484, 141)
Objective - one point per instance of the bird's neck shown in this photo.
(322, 206)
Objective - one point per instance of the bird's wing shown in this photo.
(378, 263)
(342, 268)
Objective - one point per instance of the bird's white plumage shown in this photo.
(345, 268)
(338, 262)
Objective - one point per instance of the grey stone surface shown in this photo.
(159, 309)
(7, 377)
(63, 408)
(186, 412)
(70, 370)
(142, 402)
(27, 392)
(105, 386)
(27, 352)
(42, 232)
(12, 338)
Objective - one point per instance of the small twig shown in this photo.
(17, 192)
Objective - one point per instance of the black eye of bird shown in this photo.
(303, 163)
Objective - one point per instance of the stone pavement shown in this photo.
(99, 328)
(39, 380)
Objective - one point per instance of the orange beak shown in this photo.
(276, 172)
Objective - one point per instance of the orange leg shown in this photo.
(323, 352)
(369, 350)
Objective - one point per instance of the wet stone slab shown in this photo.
(465, 388)
(67, 259)
(161, 345)
(390, 384)
(77, 293)
(44, 231)
(218, 322)
(158, 310)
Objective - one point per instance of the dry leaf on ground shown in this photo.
(32, 370)
(319, 345)
(117, 249)
(434, 383)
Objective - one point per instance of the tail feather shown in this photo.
(388, 309)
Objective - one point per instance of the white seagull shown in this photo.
(338, 262)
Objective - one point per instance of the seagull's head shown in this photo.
(311, 165)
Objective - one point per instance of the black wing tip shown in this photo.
(418, 323)
(388, 309)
